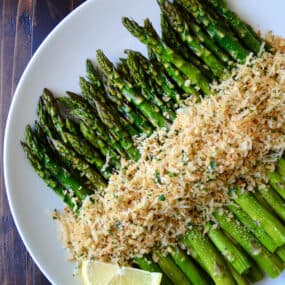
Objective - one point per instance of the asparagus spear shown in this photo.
(111, 114)
(274, 200)
(216, 30)
(159, 74)
(96, 93)
(81, 165)
(133, 117)
(188, 267)
(208, 257)
(255, 274)
(172, 39)
(82, 111)
(180, 79)
(281, 253)
(234, 256)
(174, 74)
(171, 270)
(274, 228)
(50, 163)
(117, 131)
(180, 26)
(240, 279)
(107, 150)
(46, 176)
(254, 228)
(244, 31)
(138, 71)
(80, 145)
(158, 79)
(266, 260)
(203, 37)
(148, 36)
(276, 181)
(130, 93)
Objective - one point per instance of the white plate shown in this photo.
(57, 64)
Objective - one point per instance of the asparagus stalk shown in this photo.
(216, 30)
(240, 279)
(46, 176)
(203, 37)
(234, 256)
(83, 112)
(244, 31)
(159, 79)
(181, 80)
(208, 257)
(281, 167)
(255, 274)
(274, 200)
(138, 69)
(148, 36)
(159, 74)
(95, 94)
(171, 270)
(50, 163)
(170, 37)
(80, 145)
(81, 165)
(130, 93)
(266, 260)
(84, 149)
(276, 181)
(133, 117)
(188, 267)
(281, 253)
(254, 228)
(180, 26)
(273, 227)
(107, 150)
(117, 131)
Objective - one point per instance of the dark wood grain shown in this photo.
(23, 26)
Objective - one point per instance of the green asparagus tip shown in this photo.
(150, 29)
(133, 27)
(106, 65)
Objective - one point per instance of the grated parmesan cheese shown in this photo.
(231, 138)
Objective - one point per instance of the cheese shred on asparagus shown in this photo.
(230, 138)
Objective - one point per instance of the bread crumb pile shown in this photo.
(231, 138)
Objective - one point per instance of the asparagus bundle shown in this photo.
(139, 95)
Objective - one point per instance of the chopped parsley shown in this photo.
(213, 165)
(161, 197)
(157, 177)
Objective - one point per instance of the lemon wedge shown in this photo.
(99, 273)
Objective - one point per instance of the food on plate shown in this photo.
(173, 162)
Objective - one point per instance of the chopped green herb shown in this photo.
(118, 225)
(161, 197)
(172, 174)
(213, 164)
(157, 177)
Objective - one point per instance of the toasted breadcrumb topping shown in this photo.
(230, 138)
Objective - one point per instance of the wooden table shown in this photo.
(23, 26)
